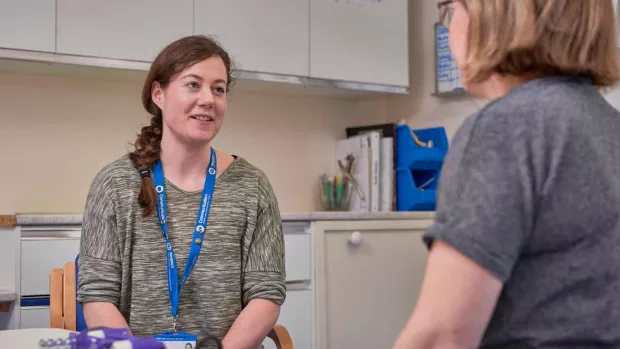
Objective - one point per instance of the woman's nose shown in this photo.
(206, 98)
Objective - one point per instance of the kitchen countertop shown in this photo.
(7, 295)
(76, 219)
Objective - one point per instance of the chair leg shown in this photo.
(281, 337)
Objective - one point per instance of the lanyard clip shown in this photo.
(174, 323)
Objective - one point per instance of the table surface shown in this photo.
(29, 338)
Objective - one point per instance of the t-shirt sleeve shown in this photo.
(99, 277)
(485, 195)
(265, 274)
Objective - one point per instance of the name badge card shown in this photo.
(177, 340)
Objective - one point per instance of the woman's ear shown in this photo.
(157, 94)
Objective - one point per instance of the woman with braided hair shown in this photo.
(177, 236)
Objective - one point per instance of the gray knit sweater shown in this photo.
(123, 258)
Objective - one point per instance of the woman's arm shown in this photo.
(455, 304)
(99, 275)
(103, 314)
(263, 278)
(253, 325)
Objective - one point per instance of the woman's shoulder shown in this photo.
(119, 174)
(242, 169)
(247, 177)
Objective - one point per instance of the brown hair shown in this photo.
(174, 58)
(542, 37)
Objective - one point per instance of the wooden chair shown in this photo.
(64, 307)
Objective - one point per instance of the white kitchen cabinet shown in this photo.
(366, 292)
(268, 36)
(364, 41)
(298, 257)
(341, 292)
(35, 317)
(129, 30)
(28, 24)
(39, 256)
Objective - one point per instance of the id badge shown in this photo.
(177, 340)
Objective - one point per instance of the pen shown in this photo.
(338, 192)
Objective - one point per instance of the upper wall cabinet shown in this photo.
(28, 24)
(269, 36)
(120, 29)
(364, 41)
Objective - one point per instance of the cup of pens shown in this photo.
(336, 193)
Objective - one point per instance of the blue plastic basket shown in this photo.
(409, 155)
(408, 195)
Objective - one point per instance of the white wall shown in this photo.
(56, 132)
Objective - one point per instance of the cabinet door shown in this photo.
(363, 41)
(269, 36)
(132, 30)
(35, 317)
(367, 292)
(39, 256)
(296, 316)
(28, 24)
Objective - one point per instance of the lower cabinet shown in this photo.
(350, 284)
(35, 317)
(367, 278)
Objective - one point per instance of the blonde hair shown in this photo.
(542, 37)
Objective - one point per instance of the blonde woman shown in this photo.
(525, 249)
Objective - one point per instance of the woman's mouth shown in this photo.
(204, 118)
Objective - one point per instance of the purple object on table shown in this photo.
(103, 338)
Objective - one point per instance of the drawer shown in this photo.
(35, 317)
(39, 256)
(298, 257)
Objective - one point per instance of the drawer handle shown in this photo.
(355, 239)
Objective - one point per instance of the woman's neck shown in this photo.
(185, 166)
(497, 86)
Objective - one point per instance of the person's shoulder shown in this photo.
(241, 167)
(116, 172)
(541, 100)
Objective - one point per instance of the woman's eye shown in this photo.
(192, 85)
(220, 90)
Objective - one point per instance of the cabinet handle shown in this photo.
(355, 239)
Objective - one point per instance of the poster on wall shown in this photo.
(447, 75)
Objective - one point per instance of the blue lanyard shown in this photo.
(201, 222)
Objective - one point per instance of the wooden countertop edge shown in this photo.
(7, 221)
(5, 304)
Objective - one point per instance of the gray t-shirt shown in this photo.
(123, 255)
(530, 190)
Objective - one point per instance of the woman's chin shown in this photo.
(201, 137)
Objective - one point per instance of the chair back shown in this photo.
(65, 310)
(62, 297)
